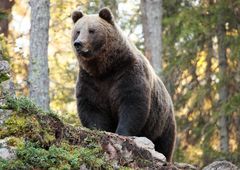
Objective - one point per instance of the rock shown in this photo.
(6, 152)
(221, 165)
(135, 152)
(4, 114)
(83, 167)
(6, 88)
(4, 67)
(145, 143)
(185, 166)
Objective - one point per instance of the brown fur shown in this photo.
(117, 89)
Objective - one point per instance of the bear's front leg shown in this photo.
(133, 109)
(93, 118)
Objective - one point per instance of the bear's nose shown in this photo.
(78, 44)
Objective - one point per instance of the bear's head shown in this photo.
(92, 34)
(99, 44)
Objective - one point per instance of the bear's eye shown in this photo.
(78, 32)
(91, 31)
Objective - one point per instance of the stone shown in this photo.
(4, 114)
(221, 165)
(4, 67)
(145, 143)
(6, 152)
(185, 166)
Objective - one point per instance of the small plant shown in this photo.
(3, 45)
(22, 104)
(32, 156)
(4, 77)
(12, 165)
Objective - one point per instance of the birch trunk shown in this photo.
(38, 65)
(113, 5)
(152, 31)
(223, 91)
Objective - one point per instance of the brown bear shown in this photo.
(117, 89)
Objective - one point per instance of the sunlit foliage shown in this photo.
(193, 77)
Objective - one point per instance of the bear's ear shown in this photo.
(106, 14)
(76, 15)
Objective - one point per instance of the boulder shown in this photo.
(221, 165)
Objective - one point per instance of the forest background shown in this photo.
(194, 45)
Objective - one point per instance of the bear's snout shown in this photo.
(78, 45)
(81, 48)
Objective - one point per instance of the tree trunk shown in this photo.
(152, 31)
(101, 4)
(38, 66)
(5, 8)
(113, 5)
(237, 127)
(223, 90)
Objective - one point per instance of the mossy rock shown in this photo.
(43, 141)
(41, 149)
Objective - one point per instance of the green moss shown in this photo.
(31, 156)
(13, 125)
(16, 142)
(52, 114)
(12, 165)
(92, 157)
(4, 77)
(3, 48)
(20, 125)
(22, 104)
(48, 138)
(65, 167)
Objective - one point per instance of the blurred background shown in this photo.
(193, 45)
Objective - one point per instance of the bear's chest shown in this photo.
(97, 92)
